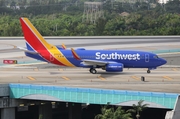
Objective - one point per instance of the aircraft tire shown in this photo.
(93, 71)
(148, 71)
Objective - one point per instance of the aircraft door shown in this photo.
(146, 57)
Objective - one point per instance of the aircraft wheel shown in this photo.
(93, 71)
(148, 71)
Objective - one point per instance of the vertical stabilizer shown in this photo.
(32, 36)
(36, 42)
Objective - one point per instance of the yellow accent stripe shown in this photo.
(60, 57)
(64, 77)
(167, 77)
(31, 78)
(100, 77)
(51, 48)
(134, 77)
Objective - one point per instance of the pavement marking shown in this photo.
(21, 57)
(29, 64)
(66, 78)
(174, 69)
(31, 78)
(10, 45)
(36, 69)
(135, 77)
(60, 69)
(167, 77)
(100, 77)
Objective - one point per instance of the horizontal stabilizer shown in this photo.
(26, 50)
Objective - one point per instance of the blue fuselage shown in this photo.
(129, 58)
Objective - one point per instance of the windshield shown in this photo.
(156, 57)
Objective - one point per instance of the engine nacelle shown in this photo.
(114, 67)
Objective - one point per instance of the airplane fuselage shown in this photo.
(129, 58)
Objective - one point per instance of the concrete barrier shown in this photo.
(97, 37)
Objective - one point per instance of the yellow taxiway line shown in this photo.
(135, 77)
(174, 69)
(167, 77)
(10, 45)
(31, 78)
(100, 77)
(60, 69)
(66, 78)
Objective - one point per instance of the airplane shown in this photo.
(109, 60)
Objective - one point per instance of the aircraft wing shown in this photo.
(95, 62)
(26, 50)
(89, 61)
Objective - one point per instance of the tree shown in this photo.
(138, 108)
(100, 25)
(2, 3)
(110, 113)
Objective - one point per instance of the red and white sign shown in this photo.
(10, 61)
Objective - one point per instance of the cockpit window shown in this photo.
(156, 57)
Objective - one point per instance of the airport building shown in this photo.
(36, 101)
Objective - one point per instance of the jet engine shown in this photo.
(114, 67)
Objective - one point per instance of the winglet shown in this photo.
(63, 46)
(75, 54)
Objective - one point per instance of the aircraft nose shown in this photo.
(163, 61)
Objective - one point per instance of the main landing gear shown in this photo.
(93, 70)
(148, 71)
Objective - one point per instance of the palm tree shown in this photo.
(121, 114)
(138, 108)
(110, 113)
(106, 113)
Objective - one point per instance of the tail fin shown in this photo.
(30, 32)
(35, 42)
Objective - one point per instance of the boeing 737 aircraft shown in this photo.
(109, 60)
